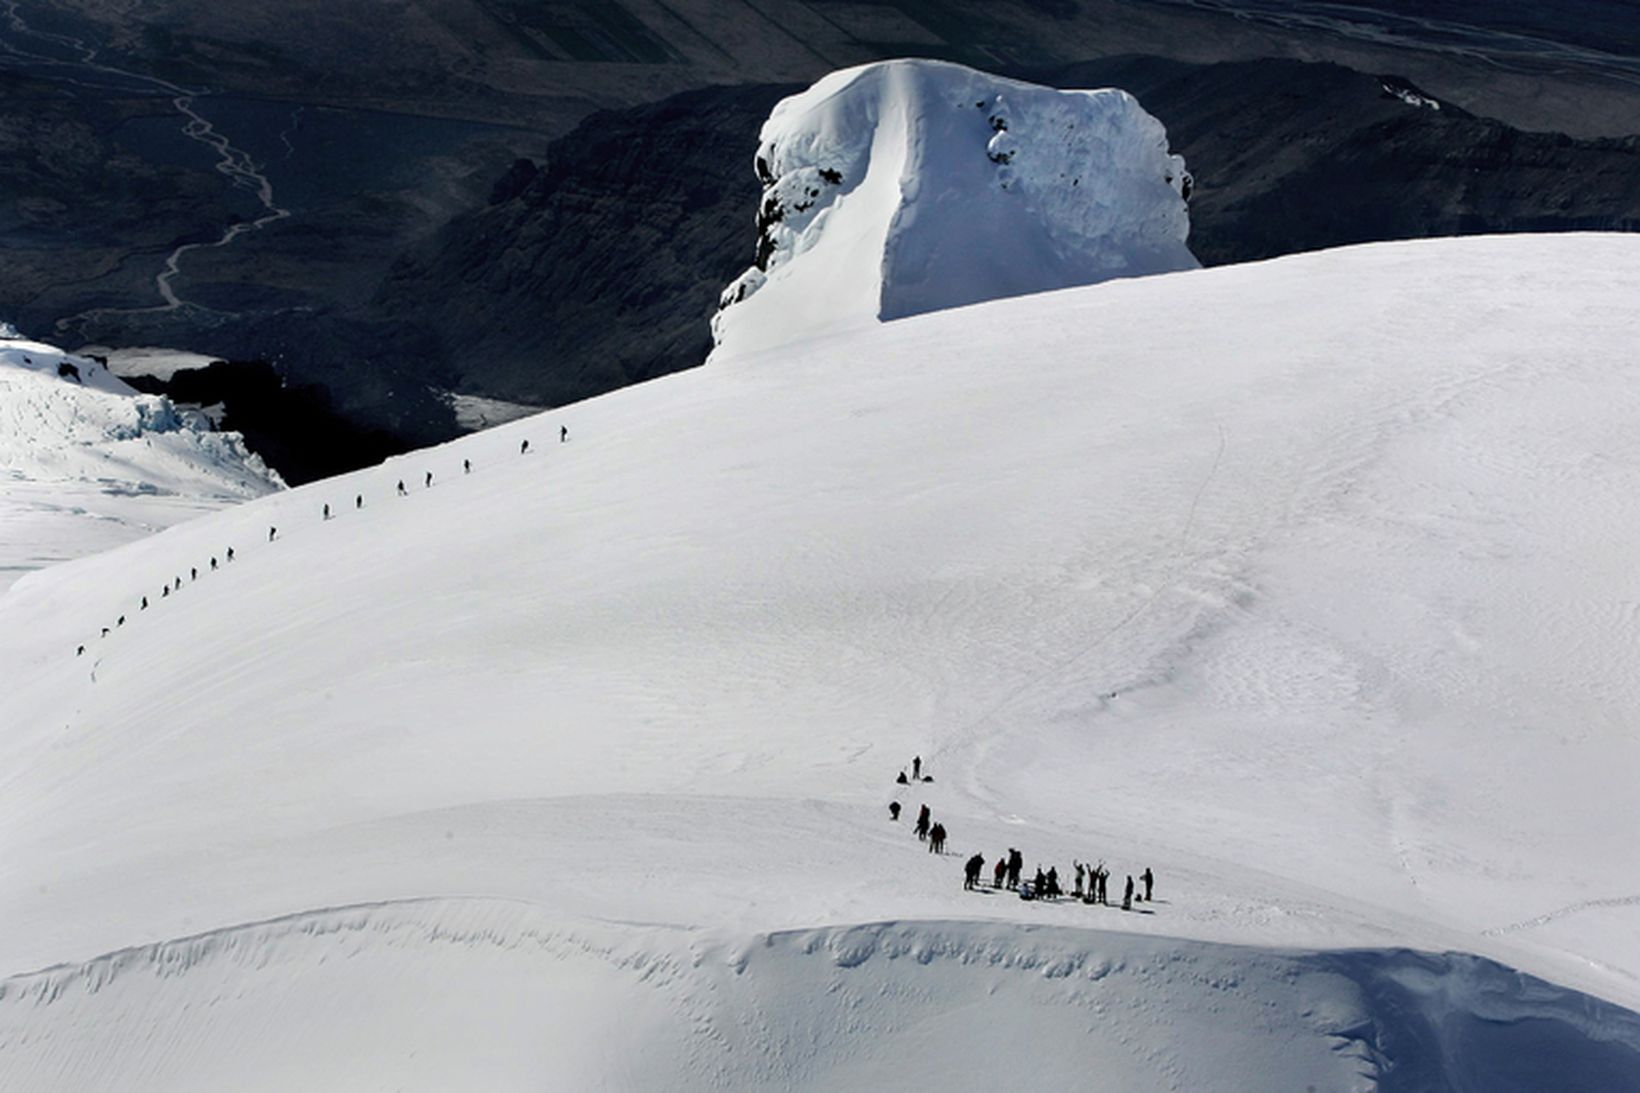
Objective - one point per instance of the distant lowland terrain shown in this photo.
(536, 202)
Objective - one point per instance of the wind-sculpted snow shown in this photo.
(472, 993)
(88, 463)
(1306, 584)
(903, 187)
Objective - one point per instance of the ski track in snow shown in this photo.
(965, 737)
(234, 164)
(1564, 912)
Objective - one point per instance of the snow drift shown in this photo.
(910, 186)
(1308, 584)
(88, 463)
(470, 994)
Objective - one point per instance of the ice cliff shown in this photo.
(910, 186)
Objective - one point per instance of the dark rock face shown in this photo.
(602, 268)
(514, 182)
(1289, 157)
(293, 427)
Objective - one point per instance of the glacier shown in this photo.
(88, 463)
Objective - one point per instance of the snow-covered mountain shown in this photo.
(88, 463)
(908, 186)
(1306, 584)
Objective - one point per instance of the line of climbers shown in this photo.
(1091, 884)
(273, 533)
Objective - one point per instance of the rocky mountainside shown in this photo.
(600, 268)
(1289, 156)
(78, 197)
(545, 64)
(293, 426)
(605, 268)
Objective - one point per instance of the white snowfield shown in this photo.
(1308, 584)
(908, 186)
(87, 463)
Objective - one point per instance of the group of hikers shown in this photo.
(927, 830)
(916, 776)
(931, 833)
(175, 585)
(1091, 882)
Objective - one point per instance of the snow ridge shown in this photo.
(704, 1010)
(903, 187)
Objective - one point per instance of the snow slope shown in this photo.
(88, 463)
(908, 186)
(1306, 584)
